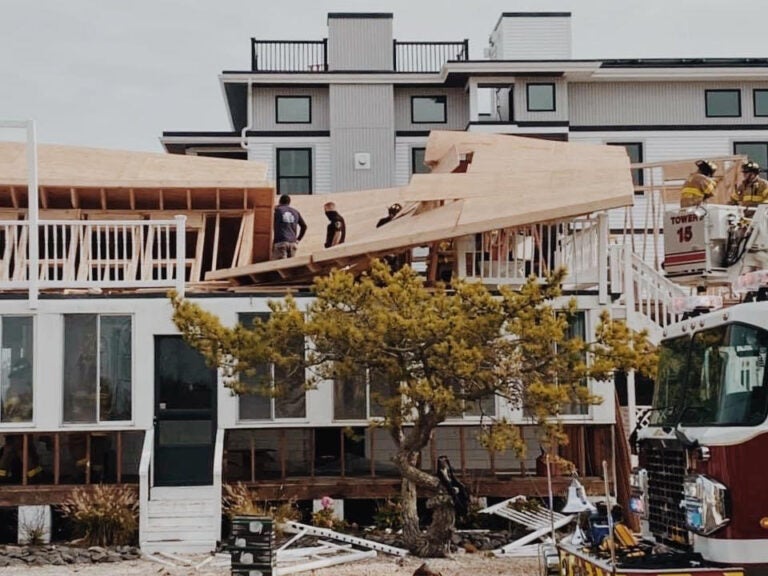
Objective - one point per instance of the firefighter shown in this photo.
(752, 190)
(700, 185)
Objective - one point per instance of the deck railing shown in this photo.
(289, 55)
(94, 254)
(427, 56)
(312, 55)
(511, 255)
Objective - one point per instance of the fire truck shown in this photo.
(701, 488)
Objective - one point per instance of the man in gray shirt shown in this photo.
(287, 223)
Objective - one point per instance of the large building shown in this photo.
(353, 111)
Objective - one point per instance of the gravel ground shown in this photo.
(458, 565)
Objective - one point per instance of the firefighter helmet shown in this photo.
(706, 167)
(753, 167)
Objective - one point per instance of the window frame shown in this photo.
(755, 92)
(437, 97)
(243, 317)
(6, 384)
(286, 97)
(309, 178)
(98, 420)
(640, 181)
(424, 168)
(528, 86)
(722, 90)
(764, 162)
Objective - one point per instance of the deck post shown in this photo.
(181, 271)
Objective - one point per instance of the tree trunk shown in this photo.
(435, 541)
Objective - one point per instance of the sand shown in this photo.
(458, 565)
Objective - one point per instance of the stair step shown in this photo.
(182, 510)
(201, 546)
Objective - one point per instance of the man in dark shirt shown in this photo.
(337, 229)
(286, 224)
(392, 211)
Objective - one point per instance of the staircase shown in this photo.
(181, 519)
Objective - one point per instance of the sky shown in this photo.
(112, 74)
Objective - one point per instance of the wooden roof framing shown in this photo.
(509, 181)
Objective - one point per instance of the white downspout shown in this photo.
(249, 118)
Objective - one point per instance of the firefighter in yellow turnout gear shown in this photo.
(752, 190)
(700, 185)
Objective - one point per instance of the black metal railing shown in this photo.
(427, 56)
(289, 55)
(312, 55)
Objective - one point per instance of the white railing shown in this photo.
(648, 295)
(218, 469)
(145, 480)
(511, 255)
(94, 254)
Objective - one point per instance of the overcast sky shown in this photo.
(116, 74)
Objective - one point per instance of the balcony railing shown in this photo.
(312, 55)
(427, 56)
(511, 255)
(94, 254)
(289, 55)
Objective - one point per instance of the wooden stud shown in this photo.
(24, 458)
(132, 198)
(119, 450)
(189, 199)
(74, 198)
(43, 196)
(87, 458)
(372, 455)
(56, 457)
(253, 457)
(14, 197)
(103, 198)
(462, 451)
(433, 450)
(312, 453)
(282, 453)
(342, 455)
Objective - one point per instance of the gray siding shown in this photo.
(526, 38)
(264, 105)
(638, 103)
(362, 120)
(264, 150)
(521, 113)
(403, 147)
(457, 108)
(360, 44)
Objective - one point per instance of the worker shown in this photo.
(336, 232)
(392, 211)
(287, 223)
(752, 190)
(700, 185)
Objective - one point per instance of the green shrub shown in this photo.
(388, 515)
(104, 516)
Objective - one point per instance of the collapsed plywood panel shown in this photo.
(510, 181)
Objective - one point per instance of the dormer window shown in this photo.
(293, 109)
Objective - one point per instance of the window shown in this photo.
(417, 161)
(723, 103)
(760, 101)
(293, 109)
(755, 151)
(541, 97)
(16, 374)
(274, 392)
(428, 110)
(577, 328)
(635, 153)
(294, 171)
(97, 368)
(360, 397)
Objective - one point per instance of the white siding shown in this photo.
(457, 108)
(673, 103)
(263, 150)
(264, 115)
(403, 146)
(359, 43)
(533, 38)
(521, 113)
